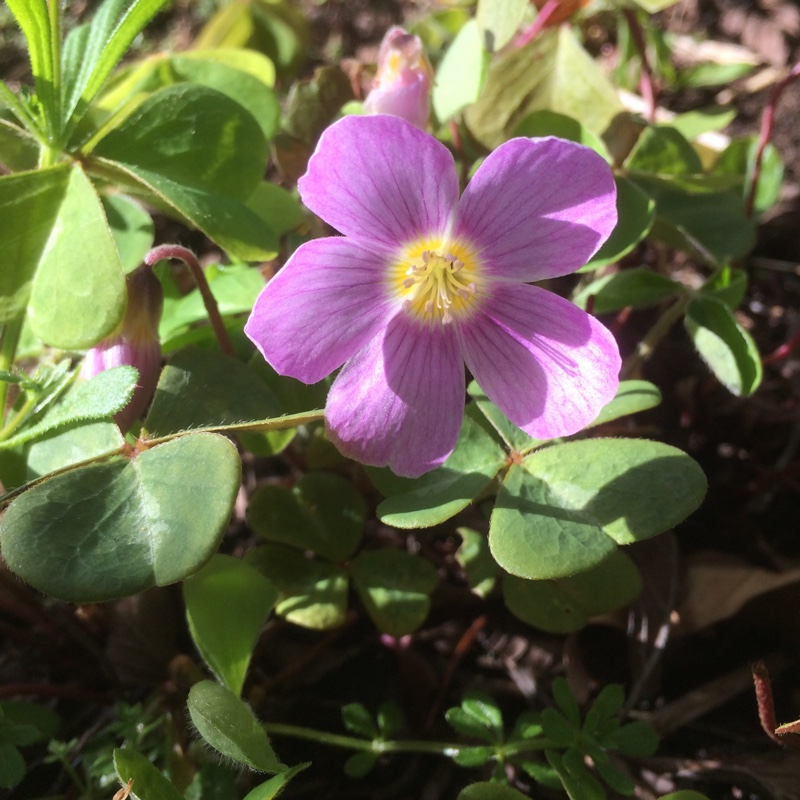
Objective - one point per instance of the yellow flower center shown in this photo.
(438, 282)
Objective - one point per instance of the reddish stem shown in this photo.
(459, 651)
(542, 18)
(765, 134)
(646, 83)
(783, 351)
(170, 251)
(51, 690)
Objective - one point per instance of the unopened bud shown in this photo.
(134, 343)
(402, 85)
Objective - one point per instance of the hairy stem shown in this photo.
(646, 83)
(765, 134)
(170, 251)
(447, 749)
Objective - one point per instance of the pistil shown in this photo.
(436, 283)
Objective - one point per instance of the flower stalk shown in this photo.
(174, 251)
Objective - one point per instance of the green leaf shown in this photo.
(112, 31)
(513, 438)
(194, 137)
(149, 782)
(44, 721)
(550, 123)
(313, 103)
(566, 508)
(235, 288)
(227, 604)
(18, 149)
(246, 88)
(692, 124)
(662, 150)
(204, 388)
(489, 791)
(358, 720)
(738, 159)
(99, 398)
(636, 215)
(131, 226)
(613, 775)
(360, 764)
(498, 21)
(637, 287)
(483, 710)
(12, 765)
(323, 513)
(631, 397)
(245, 76)
(637, 739)
(43, 44)
(728, 285)
(313, 593)
(684, 795)
(557, 728)
(227, 221)
(566, 701)
(275, 27)
(395, 588)
(605, 706)
(654, 6)
(578, 783)
(467, 725)
(390, 719)
(274, 786)
(29, 206)
(572, 84)
(710, 74)
(472, 756)
(442, 493)
(230, 727)
(476, 560)
(566, 605)
(725, 346)
(78, 294)
(113, 529)
(278, 207)
(71, 445)
(691, 216)
(461, 73)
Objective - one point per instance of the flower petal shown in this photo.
(399, 402)
(326, 303)
(538, 208)
(382, 180)
(548, 365)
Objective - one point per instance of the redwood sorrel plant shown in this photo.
(441, 224)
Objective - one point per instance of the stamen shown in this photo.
(434, 286)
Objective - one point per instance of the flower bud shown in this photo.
(135, 343)
(402, 85)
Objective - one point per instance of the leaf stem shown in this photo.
(9, 342)
(646, 347)
(646, 82)
(21, 113)
(19, 417)
(379, 747)
(765, 134)
(54, 125)
(170, 251)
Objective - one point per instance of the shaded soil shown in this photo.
(721, 591)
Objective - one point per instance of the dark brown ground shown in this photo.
(721, 591)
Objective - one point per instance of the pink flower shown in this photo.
(134, 343)
(423, 281)
(402, 84)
